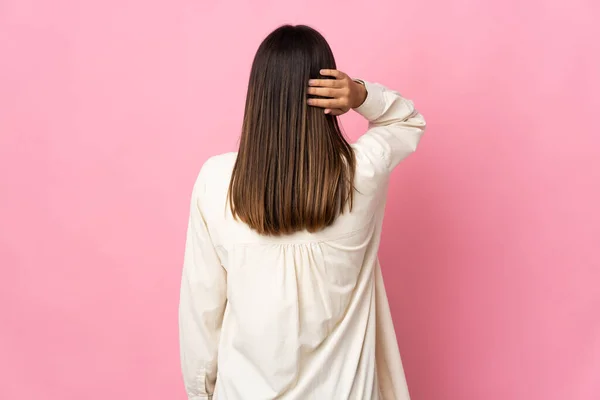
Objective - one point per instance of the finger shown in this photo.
(325, 92)
(332, 72)
(326, 83)
(325, 103)
(335, 111)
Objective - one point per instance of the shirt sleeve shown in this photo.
(202, 302)
(395, 126)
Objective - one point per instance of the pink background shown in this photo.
(491, 249)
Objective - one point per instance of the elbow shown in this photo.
(412, 141)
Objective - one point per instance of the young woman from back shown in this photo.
(282, 295)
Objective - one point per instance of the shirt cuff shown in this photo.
(374, 103)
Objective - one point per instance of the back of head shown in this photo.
(294, 170)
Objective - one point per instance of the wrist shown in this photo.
(361, 93)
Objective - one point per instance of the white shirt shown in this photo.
(303, 316)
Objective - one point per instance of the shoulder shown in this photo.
(214, 173)
(218, 164)
(216, 167)
(371, 172)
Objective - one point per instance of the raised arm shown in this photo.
(395, 126)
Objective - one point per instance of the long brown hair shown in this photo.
(294, 169)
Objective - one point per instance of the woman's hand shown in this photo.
(342, 93)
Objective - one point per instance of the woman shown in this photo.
(282, 296)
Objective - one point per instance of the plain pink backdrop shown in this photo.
(491, 248)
